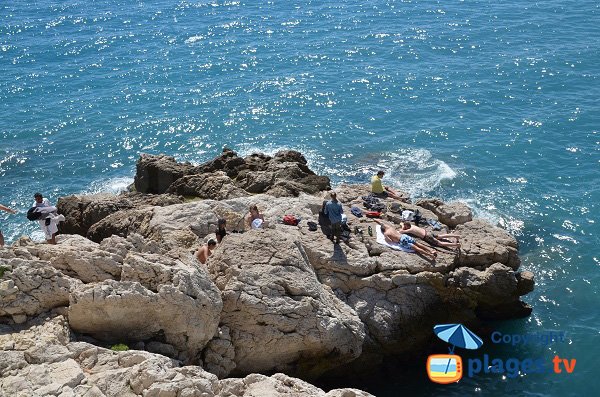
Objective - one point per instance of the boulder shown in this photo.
(156, 297)
(80, 258)
(280, 316)
(154, 174)
(483, 245)
(451, 214)
(81, 212)
(32, 286)
(121, 223)
(216, 185)
(494, 292)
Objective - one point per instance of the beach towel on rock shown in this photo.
(396, 246)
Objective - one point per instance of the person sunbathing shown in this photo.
(395, 236)
(431, 238)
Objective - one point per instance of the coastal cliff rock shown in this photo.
(229, 176)
(81, 212)
(154, 296)
(451, 214)
(44, 358)
(280, 316)
(281, 298)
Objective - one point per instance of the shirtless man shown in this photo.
(394, 236)
(430, 237)
(205, 251)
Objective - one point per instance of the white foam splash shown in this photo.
(415, 171)
(194, 39)
(112, 185)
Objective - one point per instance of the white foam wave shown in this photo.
(193, 39)
(415, 171)
(112, 185)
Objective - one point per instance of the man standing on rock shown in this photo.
(48, 225)
(334, 211)
(205, 251)
(3, 208)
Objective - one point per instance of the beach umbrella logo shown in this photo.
(448, 368)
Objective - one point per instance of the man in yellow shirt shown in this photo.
(381, 191)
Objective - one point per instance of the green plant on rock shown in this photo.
(119, 347)
(2, 270)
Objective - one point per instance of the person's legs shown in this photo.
(447, 244)
(421, 249)
(1, 239)
(448, 235)
(337, 231)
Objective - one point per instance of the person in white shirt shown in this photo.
(49, 225)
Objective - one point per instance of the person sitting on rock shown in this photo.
(395, 236)
(431, 238)
(254, 219)
(334, 211)
(3, 208)
(205, 251)
(221, 231)
(381, 191)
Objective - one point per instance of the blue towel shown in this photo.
(435, 224)
(356, 212)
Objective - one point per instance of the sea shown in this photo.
(494, 103)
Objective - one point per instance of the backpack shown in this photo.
(291, 220)
(33, 214)
(372, 214)
(417, 218)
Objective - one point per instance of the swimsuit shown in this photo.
(431, 238)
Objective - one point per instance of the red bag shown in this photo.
(372, 214)
(290, 220)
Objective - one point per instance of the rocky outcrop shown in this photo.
(229, 176)
(216, 186)
(81, 212)
(280, 316)
(451, 214)
(45, 359)
(154, 174)
(282, 298)
(483, 245)
(155, 296)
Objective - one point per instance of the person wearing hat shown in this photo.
(381, 191)
(3, 208)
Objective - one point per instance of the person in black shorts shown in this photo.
(221, 232)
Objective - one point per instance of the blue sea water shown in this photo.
(490, 102)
